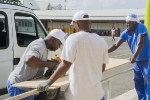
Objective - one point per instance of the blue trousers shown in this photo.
(140, 78)
(13, 91)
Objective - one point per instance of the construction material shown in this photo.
(34, 83)
(115, 63)
(23, 95)
(63, 81)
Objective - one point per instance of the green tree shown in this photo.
(15, 2)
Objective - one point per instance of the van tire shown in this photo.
(46, 95)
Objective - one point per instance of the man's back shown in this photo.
(89, 51)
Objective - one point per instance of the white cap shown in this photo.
(79, 16)
(58, 34)
(132, 17)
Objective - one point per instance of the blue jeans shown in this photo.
(13, 91)
(140, 78)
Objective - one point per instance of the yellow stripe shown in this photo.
(147, 16)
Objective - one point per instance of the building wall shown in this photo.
(108, 26)
(95, 26)
(60, 25)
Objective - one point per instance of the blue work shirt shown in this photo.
(132, 40)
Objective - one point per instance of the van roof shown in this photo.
(12, 6)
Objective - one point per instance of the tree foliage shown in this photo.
(15, 2)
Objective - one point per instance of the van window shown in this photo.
(27, 29)
(41, 32)
(3, 31)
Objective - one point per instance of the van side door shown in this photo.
(6, 51)
(26, 28)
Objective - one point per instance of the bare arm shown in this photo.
(115, 46)
(60, 71)
(37, 63)
(138, 47)
(103, 67)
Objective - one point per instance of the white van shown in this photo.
(21, 27)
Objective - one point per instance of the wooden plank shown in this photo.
(115, 63)
(23, 95)
(34, 83)
(65, 80)
(59, 83)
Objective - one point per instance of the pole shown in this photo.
(147, 24)
(147, 16)
(65, 4)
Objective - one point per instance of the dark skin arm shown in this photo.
(103, 67)
(115, 46)
(37, 63)
(138, 48)
(60, 71)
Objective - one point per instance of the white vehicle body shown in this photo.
(21, 27)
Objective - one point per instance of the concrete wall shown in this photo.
(95, 26)
(108, 26)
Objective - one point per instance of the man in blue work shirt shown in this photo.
(136, 36)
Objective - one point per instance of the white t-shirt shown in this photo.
(113, 31)
(87, 52)
(23, 72)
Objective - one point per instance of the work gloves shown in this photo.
(44, 85)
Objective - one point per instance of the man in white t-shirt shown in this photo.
(34, 61)
(86, 54)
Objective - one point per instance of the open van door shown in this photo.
(6, 48)
(27, 28)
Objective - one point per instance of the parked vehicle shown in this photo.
(21, 27)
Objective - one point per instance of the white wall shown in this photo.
(94, 25)
(59, 24)
(103, 26)
(100, 26)
(108, 26)
(124, 26)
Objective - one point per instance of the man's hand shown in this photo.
(132, 59)
(51, 65)
(138, 48)
(44, 85)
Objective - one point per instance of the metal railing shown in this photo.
(109, 81)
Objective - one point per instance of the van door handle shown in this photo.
(16, 61)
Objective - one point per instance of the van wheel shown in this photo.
(48, 95)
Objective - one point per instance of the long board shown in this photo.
(63, 81)
(34, 83)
